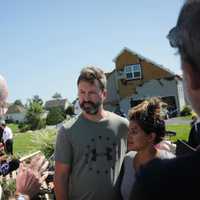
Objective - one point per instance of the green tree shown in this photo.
(34, 115)
(70, 110)
(18, 102)
(55, 116)
(57, 96)
(187, 110)
(37, 99)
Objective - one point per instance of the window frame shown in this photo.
(129, 69)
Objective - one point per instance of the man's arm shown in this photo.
(61, 180)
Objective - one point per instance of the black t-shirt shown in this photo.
(177, 178)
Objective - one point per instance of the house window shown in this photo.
(133, 71)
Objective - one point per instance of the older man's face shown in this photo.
(3, 94)
(193, 95)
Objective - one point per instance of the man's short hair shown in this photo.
(90, 74)
(186, 34)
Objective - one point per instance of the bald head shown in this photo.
(3, 89)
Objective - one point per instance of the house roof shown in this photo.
(55, 103)
(109, 73)
(177, 77)
(15, 109)
(142, 58)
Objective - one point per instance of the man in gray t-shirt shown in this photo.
(90, 149)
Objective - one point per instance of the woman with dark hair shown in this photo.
(146, 129)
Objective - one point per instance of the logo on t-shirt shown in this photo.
(101, 154)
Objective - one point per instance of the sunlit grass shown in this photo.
(182, 131)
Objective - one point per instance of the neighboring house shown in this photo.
(77, 108)
(15, 113)
(113, 98)
(136, 78)
(57, 103)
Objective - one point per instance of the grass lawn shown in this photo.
(22, 141)
(189, 117)
(182, 131)
(29, 142)
(14, 127)
(25, 143)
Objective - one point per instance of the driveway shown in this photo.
(177, 121)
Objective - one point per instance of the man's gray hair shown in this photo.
(3, 90)
(186, 35)
(90, 74)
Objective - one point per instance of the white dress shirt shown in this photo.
(7, 134)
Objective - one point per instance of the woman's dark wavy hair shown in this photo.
(147, 114)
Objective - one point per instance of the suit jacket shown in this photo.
(177, 178)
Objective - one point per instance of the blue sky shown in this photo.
(45, 43)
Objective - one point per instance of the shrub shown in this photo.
(24, 127)
(70, 110)
(186, 111)
(41, 123)
(34, 115)
(9, 187)
(55, 116)
(46, 141)
(9, 121)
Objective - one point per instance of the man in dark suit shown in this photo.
(180, 177)
(194, 136)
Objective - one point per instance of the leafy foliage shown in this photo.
(46, 142)
(55, 116)
(18, 102)
(37, 99)
(70, 110)
(9, 187)
(186, 111)
(34, 115)
(57, 96)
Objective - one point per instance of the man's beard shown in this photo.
(90, 107)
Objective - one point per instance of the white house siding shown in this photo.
(181, 94)
(125, 105)
(77, 108)
(20, 117)
(161, 87)
(112, 95)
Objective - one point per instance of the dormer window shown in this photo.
(133, 71)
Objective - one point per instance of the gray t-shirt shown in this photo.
(95, 152)
(129, 176)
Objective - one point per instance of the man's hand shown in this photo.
(30, 178)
